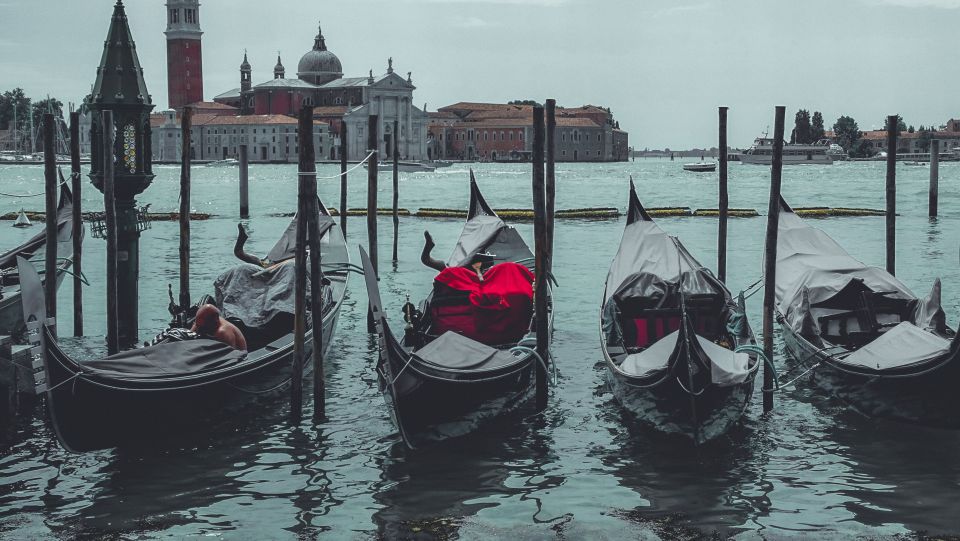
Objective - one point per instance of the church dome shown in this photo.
(319, 66)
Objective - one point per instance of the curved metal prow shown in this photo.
(478, 205)
(635, 210)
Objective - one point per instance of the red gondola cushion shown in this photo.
(495, 311)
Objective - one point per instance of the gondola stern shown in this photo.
(635, 210)
(478, 205)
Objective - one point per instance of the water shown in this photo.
(580, 470)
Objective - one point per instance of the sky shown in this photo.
(662, 66)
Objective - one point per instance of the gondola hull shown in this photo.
(414, 401)
(928, 397)
(91, 413)
(11, 309)
(669, 408)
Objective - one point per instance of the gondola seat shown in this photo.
(457, 352)
(650, 326)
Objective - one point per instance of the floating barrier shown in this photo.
(600, 213)
(667, 212)
(93, 216)
(733, 213)
(380, 211)
(839, 212)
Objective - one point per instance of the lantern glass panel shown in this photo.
(130, 148)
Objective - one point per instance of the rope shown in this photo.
(552, 370)
(30, 194)
(758, 351)
(338, 175)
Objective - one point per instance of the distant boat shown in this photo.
(406, 167)
(22, 220)
(761, 153)
(223, 163)
(700, 167)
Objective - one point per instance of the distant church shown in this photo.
(320, 82)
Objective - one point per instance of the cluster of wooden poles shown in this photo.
(544, 198)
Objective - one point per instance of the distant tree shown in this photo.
(862, 149)
(923, 140)
(49, 105)
(802, 128)
(847, 133)
(901, 125)
(10, 100)
(817, 131)
(910, 129)
(522, 102)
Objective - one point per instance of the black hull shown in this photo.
(428, 410)
(928, 397)
(11, 309)
(91, 413)
(668, 408)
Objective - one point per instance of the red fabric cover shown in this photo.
(643, 335)
(497, 311)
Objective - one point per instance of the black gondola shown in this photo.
(440, 383)
(863, 335)
(145, 395)
(11, 311)
(670, 332)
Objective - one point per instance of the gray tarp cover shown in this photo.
(813, 268)
(726, 367)
(901, 346)
(169, 359)
(452, 350)
(648, 262)
(275, 293)
(491, 234)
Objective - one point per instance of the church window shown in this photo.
(501, 136)
(188, 71)
(174, 16)
(511, 136)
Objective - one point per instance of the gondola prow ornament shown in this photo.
(120, 88)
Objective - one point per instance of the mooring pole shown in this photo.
(892, 132)
(770, 256)
(343, 177)
(542, 287)
(110, 224)
(373, 147)
(396, 188)
(304, 168)
(244, 182)
(186, 122)
(308, 178)
(77, 224)
(934, 176)
(724, 205)
(551, 177)
(52, 183)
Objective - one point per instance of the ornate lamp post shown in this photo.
(120, 88)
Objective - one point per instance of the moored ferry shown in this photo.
(761, 153)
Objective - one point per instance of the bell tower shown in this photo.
(184, 58)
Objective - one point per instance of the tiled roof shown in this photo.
(285, 83)
(210, 105)
(331, 110)
(235, 93)
(347, 82)
(238, 120)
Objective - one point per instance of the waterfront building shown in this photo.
(504, 132)
(320, 82)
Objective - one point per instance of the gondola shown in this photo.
(184, 382)
(861, 333)
(462, 363)
(670, 335)
(11, 312)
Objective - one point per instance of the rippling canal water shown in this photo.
(580, 470)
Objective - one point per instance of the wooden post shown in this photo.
(770, 256)
(306, 165)
(77, 224)
(373, 147)
(892, 122)
(396, 188)
(934, 176)
(52, 184)
(312, 210)
(110, 223)
(542, 288)
(244, 182)
(343, 177)
(724, 201)
(551, 178)
(186, 122)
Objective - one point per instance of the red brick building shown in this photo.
(503, 132)
(184, 54)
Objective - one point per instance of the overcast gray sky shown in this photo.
(663, 66)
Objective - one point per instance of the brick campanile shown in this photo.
(184, 58)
